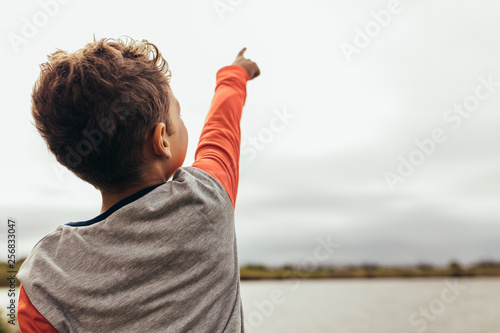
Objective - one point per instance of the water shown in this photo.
(372, 306)
(369, 306)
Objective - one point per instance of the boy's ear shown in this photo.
(161, 143)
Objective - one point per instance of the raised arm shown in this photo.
(218, 151)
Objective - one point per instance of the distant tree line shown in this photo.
(370, 270)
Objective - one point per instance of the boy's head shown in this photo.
(107, 112)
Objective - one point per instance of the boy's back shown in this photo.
(163, 259)
(165, 262)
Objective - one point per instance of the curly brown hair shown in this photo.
(96, 107)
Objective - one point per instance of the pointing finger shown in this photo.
(242, 51)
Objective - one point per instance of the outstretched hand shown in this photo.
(250, 66)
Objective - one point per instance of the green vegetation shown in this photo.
(454, 269)
(4, 268)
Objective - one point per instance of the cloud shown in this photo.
(285, 202)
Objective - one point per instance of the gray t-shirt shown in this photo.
(161, 260)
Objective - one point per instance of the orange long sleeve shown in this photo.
(218, 151)
(28, 317)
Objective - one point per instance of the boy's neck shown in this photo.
(109, 199)
(158, 172)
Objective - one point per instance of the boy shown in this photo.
(161, 256)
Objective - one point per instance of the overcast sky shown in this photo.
(374, 124)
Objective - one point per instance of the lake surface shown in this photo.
(372, 306)
(369, 306)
